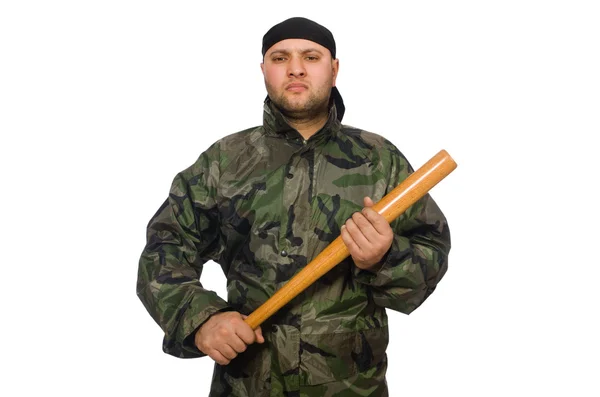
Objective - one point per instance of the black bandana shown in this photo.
(299, 28)
(302, 28)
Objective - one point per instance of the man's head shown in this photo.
(300, 68)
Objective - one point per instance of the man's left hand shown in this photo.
(368, 237)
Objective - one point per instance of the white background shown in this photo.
(102, 103)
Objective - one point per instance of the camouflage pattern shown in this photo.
(263, 203)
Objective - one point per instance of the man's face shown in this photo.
(298, 76)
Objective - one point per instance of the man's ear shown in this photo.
(335, 68)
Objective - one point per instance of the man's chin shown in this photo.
(295, 101)
(299, 108)
(294, 107)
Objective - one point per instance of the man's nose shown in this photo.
(296, 67)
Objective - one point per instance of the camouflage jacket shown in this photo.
(262, 203)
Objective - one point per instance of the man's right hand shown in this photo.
(224, 335)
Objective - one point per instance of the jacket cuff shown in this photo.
(193, 317)
(371, 277)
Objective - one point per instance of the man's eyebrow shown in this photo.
(287, 52)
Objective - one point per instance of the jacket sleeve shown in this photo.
(182, 236)
(418, 257)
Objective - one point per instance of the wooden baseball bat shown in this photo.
(390, 206)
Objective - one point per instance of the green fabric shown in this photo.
(257, 193)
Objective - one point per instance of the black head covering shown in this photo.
(299, 28)
(302, 28)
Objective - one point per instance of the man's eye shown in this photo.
(312, 58)
(278, 59)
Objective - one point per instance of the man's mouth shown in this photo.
(296, 87)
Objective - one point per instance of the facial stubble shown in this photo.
(315, 105)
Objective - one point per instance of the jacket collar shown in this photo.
(275, 123)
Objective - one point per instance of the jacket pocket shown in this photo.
(340, 355)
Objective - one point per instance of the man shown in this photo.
(263, 203)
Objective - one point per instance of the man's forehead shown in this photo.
(296, 45)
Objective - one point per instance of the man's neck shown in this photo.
(309, 127)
